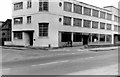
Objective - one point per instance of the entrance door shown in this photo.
(85, 39)
(30, 38)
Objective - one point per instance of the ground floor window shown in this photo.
(102, 38)
(94, 37)
(66, 36)
(17, 35)
(108, 38)
(43, 29)
(77, 37)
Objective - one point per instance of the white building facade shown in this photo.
(53, 23)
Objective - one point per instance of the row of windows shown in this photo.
(86, 11)
(43, 31)
(19, 20)
(77, 37)
(43, 5)
(86, 23)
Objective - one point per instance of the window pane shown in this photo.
(108, 38)
(87, 23)
(77, 22)
(43, 29)
(77, 37)
(65, 36)
(102, 37)
(95, 25)
(102, 15)
(95, 13)
(109, 16)
(94, 37)
(102, 25)
(18, 20)
(17, 35)
(67, 20)
(67, 6)
(87, 11)
(115, 28)
(77, 9)
(18, 6)
(108, 26)
(43, 5)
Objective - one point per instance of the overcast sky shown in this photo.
(5, 6)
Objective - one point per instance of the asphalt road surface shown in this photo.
(61, 65)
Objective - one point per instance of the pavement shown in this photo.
(23, 53)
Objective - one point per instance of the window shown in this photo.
(102, 25)
(43, 29)
(18, 20)
(67, 20)
(77, 37)
(115, 18)
(77, 22)
(108, 38)
(102, 15)
(115, 28)
(77, 9)
(95, 25)
(28, 19)
(94, 37)
(87, 23)
(87, 11)
(108, 26)
(95, 13)
(109, 16)
(18, 6)
(118, 19)
(29, 4)
(66, 36)
(102, 38)
(67, 6)
(43, 5)
(17, 35)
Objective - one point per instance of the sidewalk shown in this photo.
(107, 70)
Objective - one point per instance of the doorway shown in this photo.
(30, 36)
(85, 39)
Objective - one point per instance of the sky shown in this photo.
(6, 6)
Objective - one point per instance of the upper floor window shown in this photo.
(109, 26)
(87, 23)
(118, 19)
(102, 25)
(115, 18)
(77, 9)
(102, 15)
(43, 29)
(95, 24)
(87, 11)
(77, 22)
(18, 6)
(95, 13)
(67, 20)
(29, 4)
(43, 5)
(115, 28)
(28, 19)
(109, 16)
(67, 6)
(18, 20)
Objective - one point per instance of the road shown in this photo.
(62, 65)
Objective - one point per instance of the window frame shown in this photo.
(18, 22)
(17, 6)
(66, 8)
(18, 35)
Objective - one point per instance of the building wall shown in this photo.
(55, 26)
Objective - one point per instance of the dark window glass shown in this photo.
(102, 15)
(87, 23)
(102, 25)
(95, 13)
(102, 38)
(18, 6)
(77, 37)
(43, 5)
(87, 11)
(17, 35)
(77, 22)
(67, 20)
(77, 9)
(18, 20)
(108, 26)
(43, 29)
(67, 6)
(108, 38)
(28, 19)
(95, 25)
(65, 36)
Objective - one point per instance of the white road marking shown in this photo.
(6, 69)
(52, 63)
